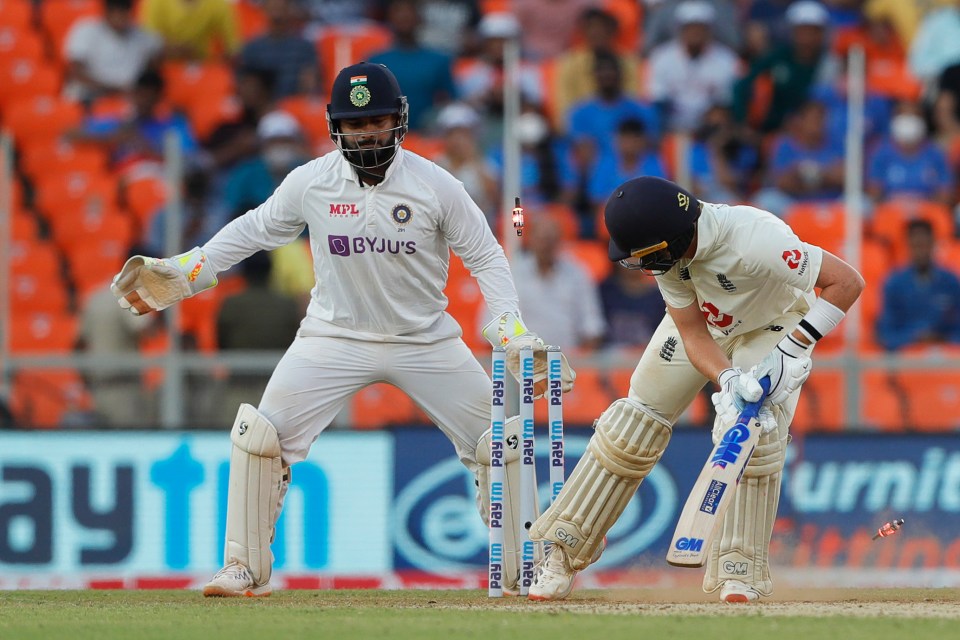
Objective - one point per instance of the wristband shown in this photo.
(822, 318)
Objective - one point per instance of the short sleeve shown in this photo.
(772, 250)
(675, 293)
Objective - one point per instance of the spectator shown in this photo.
(139, 138)
(107, 54)
(426, 75)
(450, 26)
(635, 156)
(921, 302)
(548, 25)
(791, 69)
(909, 164)
(905, 16)
(877, 110)
(202, 215)
(235, 141)
(197, 30)
(540, 150)
(575, 78)
(725, 157)
(936, 45)
(596, 119)
(633, 307)
(764, 26)
(282, 149)
(120, 399)
(256, 318)
(556, 290)
(462, 157)
(946, 111)
(325, 13)
(281, 50)
(659, 25)
(691, 72)
(806, 164)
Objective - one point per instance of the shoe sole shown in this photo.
(213, 591)
(737, 598)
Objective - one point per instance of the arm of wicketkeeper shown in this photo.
(508, 331)
(152, 284)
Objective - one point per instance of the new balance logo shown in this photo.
(668, 349)
(774, 327)
(728, 286)
(684, 273)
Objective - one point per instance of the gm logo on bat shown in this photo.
(729, 448)
(689, 544)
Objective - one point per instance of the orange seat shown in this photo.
(22, 79)
(311, 113)
(251, 19)
(110, 231)
(32, 293)
(19, 42)
(381, 405)
(890, 219)
(144, 197)
(206, 115)
(189, 82)
(892, 79)
(198, 315)
(43, 333)
(591, 395)
(58, 156)
(73, 193)
(592, 256)
(819, 223)
(948, 253)
(428, 147)
(933, 399)
(339, 46)
(40, 120)
(57, 17)
(882, 401)
(24, 227)
(821, 405)
(115, 106)
(16, 13)
(38, 257)
(93, 266)
(44, 398)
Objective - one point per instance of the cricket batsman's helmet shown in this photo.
(366, 90)
(651, 222)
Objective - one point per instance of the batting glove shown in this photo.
(788, 366)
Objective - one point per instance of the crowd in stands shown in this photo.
(746, 100)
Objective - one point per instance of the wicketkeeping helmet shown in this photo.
(651, 223)
(366, 90)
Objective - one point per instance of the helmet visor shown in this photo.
(654, 260)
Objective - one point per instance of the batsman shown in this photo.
(739, 290)
(382, 222)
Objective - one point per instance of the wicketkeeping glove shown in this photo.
(788, 366)
(510, 332)
(162, 282)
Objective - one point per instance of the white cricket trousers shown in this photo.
(317, 376)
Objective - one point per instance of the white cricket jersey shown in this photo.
(749, 267)
(380, 253)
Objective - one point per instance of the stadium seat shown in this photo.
(206, 115)
(892, 79)
(590, 397)
(43, 333)
(821, 405)
(948, 253)
(189, 82)
(890, 219)
(93, 266)
(16, 13)
(116, 106)
(32, 293)
(58, 156)
(465, 301)
(45, 398)
(339, 46)
(24, 227)
(883, 404)
(19, 42)
(75, 192)
(41, 119)
(22, 79)
(311, 113)
(428, 147)
(251, 19)
(57, 17)
(381, 405)
(592, 256)
(933, 399)
(819, 223)
(628, 14)
(40, 258)
(144, 197)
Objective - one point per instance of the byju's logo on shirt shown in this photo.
(343, 209)
(345, 245)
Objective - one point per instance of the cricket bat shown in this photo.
(715, 487)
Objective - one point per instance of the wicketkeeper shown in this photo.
(382, 222)
(739, 289)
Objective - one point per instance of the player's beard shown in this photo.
(370, 157)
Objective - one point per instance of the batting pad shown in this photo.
(742, 550)
(258, 483)
(513, 534)
(627, 442)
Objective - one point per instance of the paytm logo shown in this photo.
(345, 245)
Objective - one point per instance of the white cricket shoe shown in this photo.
(234, 581)
(735, 591)
(553, 577)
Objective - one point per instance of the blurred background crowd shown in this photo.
(742, 101)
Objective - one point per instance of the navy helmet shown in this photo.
(366, 90)
(651, 222)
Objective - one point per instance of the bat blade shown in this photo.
(714, 489)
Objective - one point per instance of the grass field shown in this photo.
(914, 614)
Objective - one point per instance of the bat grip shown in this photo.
(752, 409)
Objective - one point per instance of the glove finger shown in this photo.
(748, 388)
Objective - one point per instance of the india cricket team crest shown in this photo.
(402, 214)
(359, 93)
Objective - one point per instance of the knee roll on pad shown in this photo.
(513, 527)
(628, 440)
(258, 484)
(741, 551)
